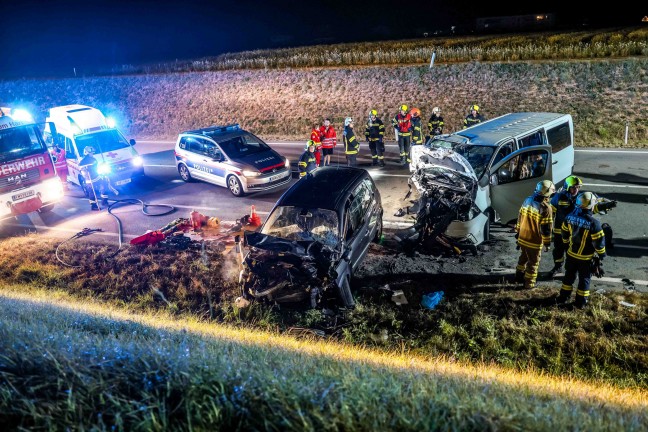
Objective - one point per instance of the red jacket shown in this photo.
(315, 137)
(403, 124)
(60, 162)
(329, 137)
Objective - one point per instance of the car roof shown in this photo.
(491, 132)
(325, 188)
(217, 132)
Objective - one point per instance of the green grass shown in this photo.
(76, 365)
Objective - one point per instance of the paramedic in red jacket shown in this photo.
(403, 125)
(329, 141)
(315, 137)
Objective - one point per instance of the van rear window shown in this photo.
(559, 137)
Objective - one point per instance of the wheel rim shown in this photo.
(184, 173)
(234, 186)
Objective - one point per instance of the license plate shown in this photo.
(122, 182)
(275, 177)
(22, 195)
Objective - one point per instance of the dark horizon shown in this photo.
(56, 38)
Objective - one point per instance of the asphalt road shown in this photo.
(616, 174)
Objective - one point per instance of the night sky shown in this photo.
(51, 38)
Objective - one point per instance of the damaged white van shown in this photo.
(470, 178)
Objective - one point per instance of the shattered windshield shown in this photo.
(297, 223)
(477, 155)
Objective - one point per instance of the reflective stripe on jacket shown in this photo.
(316, 138)
(402, 124)
(534, 222)
(417, 131)
(375, 130)
(562, 204)
(583, 234)
(472, 121)
(328, 136)
(307, 163)
(351, 144)
(435, 124)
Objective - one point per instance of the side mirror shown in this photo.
(493, 179)
(218, 157)
(132, 141)
(504, 175)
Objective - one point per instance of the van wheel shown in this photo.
(234, 185)
(184, 173)
(345, 294)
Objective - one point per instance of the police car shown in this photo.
(231, 157)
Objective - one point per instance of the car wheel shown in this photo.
(184, 173)
(379, 230)
(345, 293)
(234, 185)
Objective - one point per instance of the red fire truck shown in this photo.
(28, 180)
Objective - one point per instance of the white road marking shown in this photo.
(612, 151)
(615, 185)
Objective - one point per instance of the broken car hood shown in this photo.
(444, 167)
(276, 244)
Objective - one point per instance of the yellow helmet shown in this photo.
(309, 143)
(404, 107)
(545, 188)
(373, 112)
(586, 200)
(474, 108)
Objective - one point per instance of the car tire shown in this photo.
(344, 292)
(183, 170)
(379, 231)
(234, 185)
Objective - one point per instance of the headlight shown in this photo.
(138, 161)
(251, 173)
(22, 115)
(110, 122)
(287, 163)
(104, 169)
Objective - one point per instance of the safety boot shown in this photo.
(580, 302)
(382, 162)
(94, 207)
(562, 298)
(557, 268)
(374, 162)
(402, 160)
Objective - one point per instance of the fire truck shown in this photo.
(28, 180)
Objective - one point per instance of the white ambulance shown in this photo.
(79, 126)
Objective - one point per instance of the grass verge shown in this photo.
(85, 365)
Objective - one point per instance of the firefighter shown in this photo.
(435, 124)
(96, 183)
(329, 140)
(583, 237)
(317, 139)
(563, 203)
(351, 143)
(307, 161)
(473, 118)
(417, 128)
(60, 164)
(533, 232)
(375, 133)
(402, 122)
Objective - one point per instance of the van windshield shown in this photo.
(103, 141)
(20, 142)
(477, 155)
(243, 145)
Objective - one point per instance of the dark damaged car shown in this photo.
(314, 239)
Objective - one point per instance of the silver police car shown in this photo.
(229, 156)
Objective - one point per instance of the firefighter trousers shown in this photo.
(404, 147)
(97, 189)
(377, 149)
(558, 251)
(528, 265)
(582, 268)
(351, 160)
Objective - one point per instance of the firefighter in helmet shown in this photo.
(417, 128)
(307, 161)
(375, 133)
(584, 240)
(402, 122)
(473, 118)
(533, 232)
(351, 143)
(95, 184)
(435, 124)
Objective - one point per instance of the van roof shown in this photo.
(491, 132)
(87, 119)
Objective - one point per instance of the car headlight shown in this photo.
(138, 161)
(104, 169)
(251, 173)
(287, 163)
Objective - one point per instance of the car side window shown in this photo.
(70, 152)
(525, 166)
(194, 146)
(559, 137)
(504, 151)
(536, 138)
(183, 143)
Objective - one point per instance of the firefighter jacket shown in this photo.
(402, 124)
(472, 121)
(316, 138)
(306, 163)
(351, 144)
(562, 204)
(90, 164)
(60, 161)
(435, 124)
(417, 131)
(375, 130)
(328, 137)
(534, 222)
(583, 235)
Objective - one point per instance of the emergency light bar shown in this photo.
(222, 129)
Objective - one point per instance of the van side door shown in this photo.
(561, 139)
(515, 177)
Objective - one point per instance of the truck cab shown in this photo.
(79, 126)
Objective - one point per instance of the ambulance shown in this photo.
(28, 180)
(79, 126)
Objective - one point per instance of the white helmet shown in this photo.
(88, 150)
(347, 121)
(545, 188)
(586, 200)
(436, 110)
